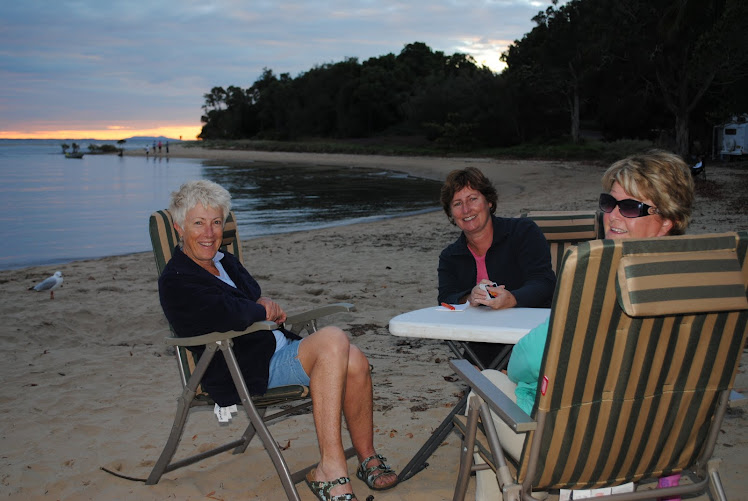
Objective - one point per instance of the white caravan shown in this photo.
(735, 137)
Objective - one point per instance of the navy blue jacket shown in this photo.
(519, 258)
(195, 302)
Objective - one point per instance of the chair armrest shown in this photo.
(500, 404)
(263, 325)
(322, 311)
(204, 339)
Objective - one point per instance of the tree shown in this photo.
(690, 46)
(215, 99)
(350, 99)
(556, 61)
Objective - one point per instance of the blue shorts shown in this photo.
(285, 367)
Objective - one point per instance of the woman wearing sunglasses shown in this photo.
(646, 195)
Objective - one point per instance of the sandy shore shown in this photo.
(89, 382)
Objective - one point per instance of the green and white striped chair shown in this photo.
(164, 239)
(562, 229)
(644, 343)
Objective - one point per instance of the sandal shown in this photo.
(322, 489)
(370, 475)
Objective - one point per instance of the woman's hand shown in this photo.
(273, 311)
(495, 297)
(479, 293)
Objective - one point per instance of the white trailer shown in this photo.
(735, 138)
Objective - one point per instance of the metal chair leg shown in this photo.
(183, 409)
(466, 449)
(271, 447)
(715, 483)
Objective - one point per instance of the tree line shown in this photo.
(642, 69)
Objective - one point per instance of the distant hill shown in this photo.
(150, 138)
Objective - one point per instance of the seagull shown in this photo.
(49, 284)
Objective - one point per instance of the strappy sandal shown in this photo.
(322, 489)
(370, 475)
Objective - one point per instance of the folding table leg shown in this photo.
(418, 462)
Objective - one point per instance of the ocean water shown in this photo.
(56, 209)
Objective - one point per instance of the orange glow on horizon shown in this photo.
(185, 132)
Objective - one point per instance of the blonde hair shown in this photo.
(660, 176)
(191, 193)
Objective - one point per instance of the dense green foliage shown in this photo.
(640, 69)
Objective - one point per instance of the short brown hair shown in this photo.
(459, 179)
(660, 176)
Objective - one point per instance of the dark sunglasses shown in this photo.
(627, 208)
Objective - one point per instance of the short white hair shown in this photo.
(207, 193)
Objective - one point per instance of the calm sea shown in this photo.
(57, 209)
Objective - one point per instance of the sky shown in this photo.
(113, 69)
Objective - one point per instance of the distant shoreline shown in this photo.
(522, 184)
(430, 167)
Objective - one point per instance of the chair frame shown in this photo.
(255, 406)
(489, 398)
(564, 229)
(727, 331)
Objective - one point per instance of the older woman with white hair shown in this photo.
(203, 290)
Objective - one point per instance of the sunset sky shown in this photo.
(111, 70)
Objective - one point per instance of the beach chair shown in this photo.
(562, 229)
(164, 238)
(644, 344)
(698, 169)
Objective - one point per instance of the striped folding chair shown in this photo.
(644, 343)
(562, 229)
(164, 239)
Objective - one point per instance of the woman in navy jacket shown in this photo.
(203, 290)
(509, 256)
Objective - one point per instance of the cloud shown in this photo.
(150, 62)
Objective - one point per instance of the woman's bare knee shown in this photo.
(334, 338)
(328, 343)
(358, 364)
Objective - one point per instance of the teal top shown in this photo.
(524, 365)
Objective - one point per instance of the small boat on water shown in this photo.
(74, 154)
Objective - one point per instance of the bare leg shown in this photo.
(358, 411)
(324, 356)
(340, 383)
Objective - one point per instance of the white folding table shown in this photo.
(457, 328)
(474, 323)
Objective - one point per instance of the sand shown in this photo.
(88, 381)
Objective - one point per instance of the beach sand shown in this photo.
(88, 381)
